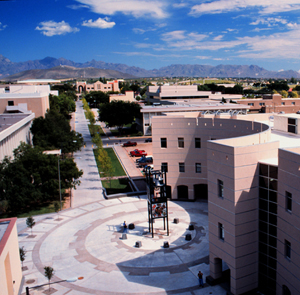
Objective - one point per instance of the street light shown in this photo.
(71, 280)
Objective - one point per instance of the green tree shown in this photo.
(106, 164)
(95, 98)
(31, 178)
(294, 94)
(49, 272)
(64, 88)
(97, 140)
(22, 253)
(63, 104)
(284, 93)
(30, 222)
(54, 132)
(119, 113)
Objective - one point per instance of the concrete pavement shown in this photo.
(86, 241)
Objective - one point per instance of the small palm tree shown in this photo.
(30, 223)
(49, 272)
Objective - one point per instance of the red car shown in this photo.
(138, 153)
(130, 143)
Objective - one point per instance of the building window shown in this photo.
(181, 167)
(262, 104)
(198, 167)
(221, 231)
(293, 103)
(251, 104)
(198, 143)
(283, 103)
(287, 249)
(220, 188)
(10, 103)
(164, 167)
(288, 201)
(163, 142)
(180, 142)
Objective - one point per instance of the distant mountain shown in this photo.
(8, 68)
(67, 72)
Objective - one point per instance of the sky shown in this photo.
(154, 33)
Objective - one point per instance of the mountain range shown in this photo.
(59, 68)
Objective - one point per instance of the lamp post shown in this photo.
(71, 280)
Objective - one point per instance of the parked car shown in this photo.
(148, 139)
(138, 153)
(129, 143)
(146, 161)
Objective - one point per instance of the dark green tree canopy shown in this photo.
(119, 113)
(95, 98)
(31, 178)
(63, 104)
(54, 132)
(63, 88)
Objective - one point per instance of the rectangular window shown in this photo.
(283, 103)
(198, 143)
(181, 167)
(293, 103)
(198, 167)
(163, 142)
(288, 201)
(251, 104)
(220, 188)
(287, 249)
(10, 103)
(164, 167)
(221, 231)
(261, 103)
(180, 142)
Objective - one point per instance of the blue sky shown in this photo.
(154, 33)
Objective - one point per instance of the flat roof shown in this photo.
(3, 227)
(193, 107)
(7, 120)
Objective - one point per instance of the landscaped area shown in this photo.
(113, 185)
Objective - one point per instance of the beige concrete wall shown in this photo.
(288, 221)
(35, 103)
(128, 96)
(237, 167)
(10, 264)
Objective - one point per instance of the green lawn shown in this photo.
(42, 209)
(119, 171)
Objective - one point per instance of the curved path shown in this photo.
(86, 241)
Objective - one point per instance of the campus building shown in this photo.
(128, 96)
(14, 128)
(271, 103)
(21, 98)
(97, 86)
(10, 264)
(249, 173)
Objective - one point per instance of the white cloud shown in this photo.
(138, 31)
(180, 5)
(76, 7)
(218, 38)
(99, 23)
(2, 27)
(203, 57)
(265, 7)
(137, 8)
(52, 28)
(283, 45)
(270, 21)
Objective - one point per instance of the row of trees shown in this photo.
(30, 179)
(101, 154)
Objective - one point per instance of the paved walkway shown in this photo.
(86, 241)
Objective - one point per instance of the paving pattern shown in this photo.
(86, 241)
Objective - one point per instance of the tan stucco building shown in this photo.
(249, 173)
(10, 264)
(19, 98)
(97, 86)
(128, 96)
